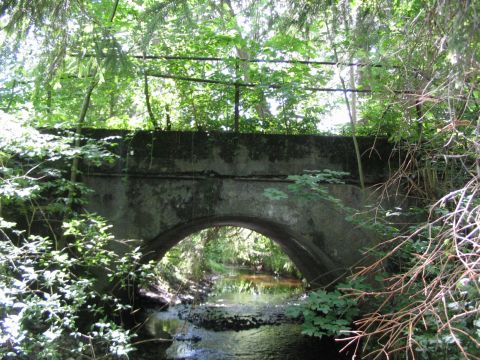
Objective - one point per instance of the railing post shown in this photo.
(236, 124)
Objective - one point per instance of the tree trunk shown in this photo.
(352, 109)
(81, 120)
(78, 131)
(146, 91)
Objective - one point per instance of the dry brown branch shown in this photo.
(433, 300)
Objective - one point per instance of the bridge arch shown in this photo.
(309, 265)
(167, 185)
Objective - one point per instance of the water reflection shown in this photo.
(254, 289)
(258, 297)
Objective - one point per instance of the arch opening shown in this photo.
(221, 249)
(309, 265)
(255, 303)
(230, 262)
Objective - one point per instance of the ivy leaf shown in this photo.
(275, 194)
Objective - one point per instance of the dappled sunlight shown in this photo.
(239, 179)
(216, 250)
(251, 284)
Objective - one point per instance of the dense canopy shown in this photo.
(182, 64)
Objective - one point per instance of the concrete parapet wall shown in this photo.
(167, 185)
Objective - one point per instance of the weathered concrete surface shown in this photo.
(167, 185)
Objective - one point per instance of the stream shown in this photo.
(242, 318)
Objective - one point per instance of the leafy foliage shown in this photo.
(212, 250)
(416, 67)
(424, 255)
(309, 186)
(328, 313)
(50, 304)
(56, 265)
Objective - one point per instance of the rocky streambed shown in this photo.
(238, 317)
(243, 316)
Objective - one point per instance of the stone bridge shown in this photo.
(167, 185)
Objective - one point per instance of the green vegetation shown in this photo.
(214, 250)
(51, 306)
(57, 268)
(400, 264)
(405, 69)
(328, 313)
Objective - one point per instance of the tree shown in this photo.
(412, 65)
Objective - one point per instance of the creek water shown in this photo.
(242, 318)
